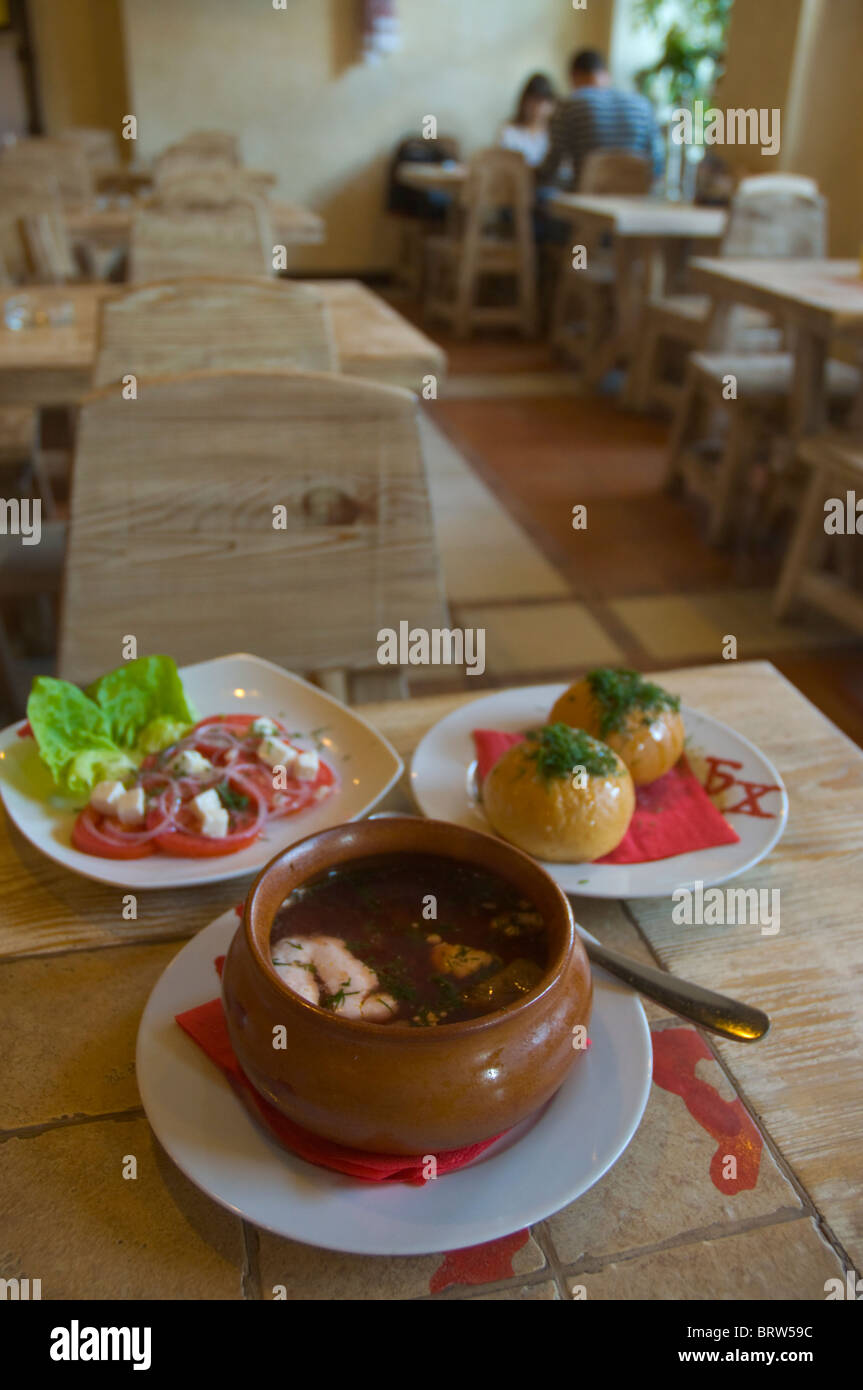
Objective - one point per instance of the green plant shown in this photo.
(694, 37)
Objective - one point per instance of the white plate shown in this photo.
(535, 1170)
(365, 763)
(443, 782)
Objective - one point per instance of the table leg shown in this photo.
(811, 516)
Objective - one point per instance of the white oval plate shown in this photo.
(443, 783)
(533, 1171)
(366, 765)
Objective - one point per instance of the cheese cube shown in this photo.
(210, 814)
(131, 807)
(189, 763)
(276, 753)
(264, 728)
(307, 766)
(104, 797)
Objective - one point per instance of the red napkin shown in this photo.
(673, 815)
(206, 1026)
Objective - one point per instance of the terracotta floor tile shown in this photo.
(92, 1001)
(525, 638)
(785, 1261)
(71, 1219)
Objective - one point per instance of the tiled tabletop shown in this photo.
(664, 1223)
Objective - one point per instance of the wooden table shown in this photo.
(647, 234)
(664, 1223)
(110, 226)
(432, 178)
(53, 365)
(818, 300)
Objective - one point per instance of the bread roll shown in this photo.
(536, 797)
(636, 718)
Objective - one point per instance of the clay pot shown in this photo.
(392, 1088)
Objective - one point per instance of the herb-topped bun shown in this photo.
(636, 718)
(560, 795)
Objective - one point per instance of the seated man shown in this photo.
(598, 117)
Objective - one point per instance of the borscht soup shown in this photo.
(409, 938)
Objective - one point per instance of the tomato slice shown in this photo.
(295, 796)
(89, 837)
(247, 825)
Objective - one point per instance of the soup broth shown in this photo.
(411, 939)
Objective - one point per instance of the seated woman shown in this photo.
(527, 132)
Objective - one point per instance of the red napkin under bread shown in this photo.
(673, 815)
(206, 1026)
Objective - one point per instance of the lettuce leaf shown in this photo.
(72, 735)
(138, 693)
(86, 736)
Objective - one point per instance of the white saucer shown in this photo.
(533, 1171)
(443, 783)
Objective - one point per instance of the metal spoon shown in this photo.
(715, 1012)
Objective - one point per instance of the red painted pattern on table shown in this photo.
(479, 1264)
(719, 780)
(676, 1051)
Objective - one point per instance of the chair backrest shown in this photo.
(31, 225)
(776, 215)
(99, 147)
(48, 248)
(189, 325)
(193, 185)
(497, 179)
(285, 514)
(65, 161)
(210, 144)
(168, 242)
(615, 171)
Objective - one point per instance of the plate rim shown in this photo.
(397, 767)
(502, 1226)
(593, 890)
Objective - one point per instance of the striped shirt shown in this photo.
(601, 118)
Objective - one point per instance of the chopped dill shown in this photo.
(618, 692)
(560, 749)
(334, 1001)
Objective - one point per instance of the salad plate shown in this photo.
(365, 765)
(537, 1168)
(745, 784)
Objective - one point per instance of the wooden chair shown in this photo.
(495, 239)
(771, 215)
(188, 325)
(176, 532)
(60, 158)
(834, 460)
(169, 242)
(583, 303)
(717, 470)
(100, 147)
(211, 144)
(34, 242)
(184, 184)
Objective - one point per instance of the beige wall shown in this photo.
(290, 82)
(805, 57)
(826, 132)
(80, 62)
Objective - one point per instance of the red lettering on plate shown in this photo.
(479, 1264)
(719, 781)
(675, 1054)
(751, 803)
